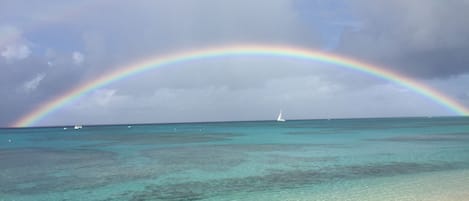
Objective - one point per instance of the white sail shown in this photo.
(279, 118)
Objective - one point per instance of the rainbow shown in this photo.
(55, 104)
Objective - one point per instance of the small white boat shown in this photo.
(279, 118)
(76, 127)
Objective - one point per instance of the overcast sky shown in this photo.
(48, 47)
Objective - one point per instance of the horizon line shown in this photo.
(235, 121)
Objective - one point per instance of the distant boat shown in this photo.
(129, 126)
(76, 127)
(279, 118)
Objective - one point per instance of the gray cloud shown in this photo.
(25, 84)
(300, 96)
(424, 38)
(427, 40)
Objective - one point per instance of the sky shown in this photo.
(49, 47)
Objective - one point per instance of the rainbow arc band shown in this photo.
(158, 61)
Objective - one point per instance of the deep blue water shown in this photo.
(265, 160)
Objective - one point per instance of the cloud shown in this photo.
(300, 96)
(425, 39)
(78, 58)
(12, 44)
(16, 52)
(456, 87)
(32, 84)
(103, 96)
(422, 39)
(9, 34)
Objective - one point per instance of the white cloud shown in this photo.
(12, 45)
(32, 84)
(78, 58)
(16, 52)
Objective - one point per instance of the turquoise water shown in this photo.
(338, 159)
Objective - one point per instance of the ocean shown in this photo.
(338, 159)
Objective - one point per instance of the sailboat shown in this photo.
(279, 118)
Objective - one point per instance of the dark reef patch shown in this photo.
(277, 180)
(427, 138)
(40, 170)
(152, 138)
(210, 157)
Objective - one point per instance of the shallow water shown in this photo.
(343, 159)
